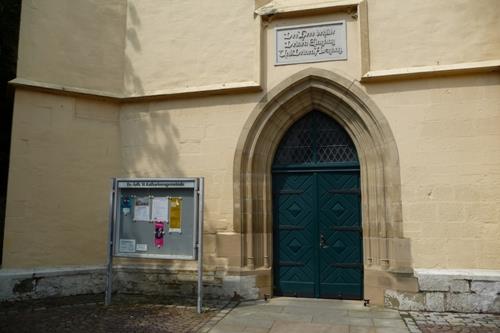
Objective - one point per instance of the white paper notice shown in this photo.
(126, 211)
(160, 209)
(141, 247)
(127, 245)
(141, 209)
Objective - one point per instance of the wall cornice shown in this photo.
(429, 71)
(214, 89)
(278, 8)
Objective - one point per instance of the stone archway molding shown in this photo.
(385, 249)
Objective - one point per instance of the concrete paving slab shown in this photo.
(325, 318)
(256, 330)
(299, 327)
(389, 323)
(385, 313)
(391, 330)
(264, 307)
(247, 322)
(256, 309)
(307, 315)
(360, 314)
(360, 322)
(367, 329)
(362, 329)
(226, 328)
(260, 315)
(338, 312)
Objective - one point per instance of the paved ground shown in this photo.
(302, 315)
(430, 322)
(299, 315)
(81, 314)
(145, 314)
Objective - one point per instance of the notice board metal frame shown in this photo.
(115, 220)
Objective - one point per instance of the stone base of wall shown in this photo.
(438, 290)
(450, 291)
(67, 281)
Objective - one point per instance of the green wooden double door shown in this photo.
(317, 239)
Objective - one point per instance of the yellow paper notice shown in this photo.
(175, 214)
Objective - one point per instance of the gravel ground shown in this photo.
(88, 314)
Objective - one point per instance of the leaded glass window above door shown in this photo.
(315, 139)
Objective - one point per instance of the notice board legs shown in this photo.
(109, 269)
(109, 283)
(201, 189)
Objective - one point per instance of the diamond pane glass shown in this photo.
(333, 142)
(315, 138)
(296, 147)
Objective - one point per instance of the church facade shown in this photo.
(350, 148)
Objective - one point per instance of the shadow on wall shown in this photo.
(10, 14)
(148, 138)
(132, 82)
(149, 142)
(148, 149)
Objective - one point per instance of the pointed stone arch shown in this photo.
(341, 98)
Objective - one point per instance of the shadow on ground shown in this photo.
(87, 313)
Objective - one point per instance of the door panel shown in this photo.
(295, 232)
(340, 256)
(317, 234)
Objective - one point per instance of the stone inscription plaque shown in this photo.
(311, 43)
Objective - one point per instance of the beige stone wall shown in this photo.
(65, 149)
(190, 138)
(75, 43)
(64, 152)
(184, 44)
(132, 48)
(429, 32)
(447, 130)
(67, 156)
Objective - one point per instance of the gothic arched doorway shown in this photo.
(317, 238)
(387, 261)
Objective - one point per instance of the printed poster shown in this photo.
(141, 209)
(127, 245)
(175, 224)
(160, 209)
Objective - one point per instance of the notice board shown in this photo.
(160, 218)
(156, 218)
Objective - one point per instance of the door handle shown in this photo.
(322, 241)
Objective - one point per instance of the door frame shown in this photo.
(387, 254)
